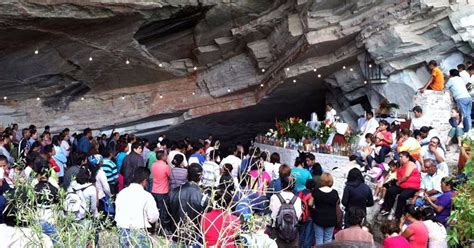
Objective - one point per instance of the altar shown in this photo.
(287, 156)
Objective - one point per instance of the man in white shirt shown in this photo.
(430, 183)
(370, 125)
(462, 97)
(330, 113)
(177, 148)
(418, 121)
(135, 210)
(464, 74)
(234, 160)
(435, 153)
(211, 171)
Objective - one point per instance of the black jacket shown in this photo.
(130, 163)
(187, 201)
(357, 194)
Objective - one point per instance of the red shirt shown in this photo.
(220, 228)
(413, 181)
(386, 136)
(396, 242)
(419, 239)
(161, 172)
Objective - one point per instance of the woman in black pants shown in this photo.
(408, 183)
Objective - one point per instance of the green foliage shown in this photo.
(325, 130)
(293, 128)
(461, 228)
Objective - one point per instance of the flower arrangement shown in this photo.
(291, 128)
(325, 130)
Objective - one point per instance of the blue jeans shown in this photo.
(50, 230)
(465, 106)
(323, 234)
(133, 238)
(3, 204)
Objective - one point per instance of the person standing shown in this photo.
(135, 210)
(330, 113)
(131, 162)
(326, 200)
(161, 172)
(462, 97)
(436, 81)
(187, 203)
(110, 169)
(356, 194)
(277, 200)
(234, 160)
(300, 174)
(84, 143)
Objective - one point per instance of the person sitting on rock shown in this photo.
(418, 121)
(430, 184)
(435, 153)
(436, 81)
(456, 130)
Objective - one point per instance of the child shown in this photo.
(385, 181)
(365, 153)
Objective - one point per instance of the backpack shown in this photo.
(287, 220)
(305, 196)
(76, 203)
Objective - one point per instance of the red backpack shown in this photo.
(305, 195)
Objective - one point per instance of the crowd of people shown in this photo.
(197, 194)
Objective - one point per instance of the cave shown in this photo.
(225, 67)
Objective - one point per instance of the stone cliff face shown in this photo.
(147, 64)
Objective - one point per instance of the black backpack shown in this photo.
(287, 220)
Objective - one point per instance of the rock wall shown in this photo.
(192, 58)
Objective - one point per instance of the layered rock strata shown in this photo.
(179, 60)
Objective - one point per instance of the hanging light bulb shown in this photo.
(315, 69)
(228, 89)
(294, 81)
(370, 65)
(5, 98)
(160, 65)
(350, 69)
(123, 97)
(365, 81)
(90, 58)
(161, 96)
(82, 98)
(195, 68)
(344, 67)
(194, 93)
(287, 68)
(127, 62)
(37, 99)
(36, 51)
(319, 75)
(263, 70)
(261, 85)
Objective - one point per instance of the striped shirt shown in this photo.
(179, 176)
(111, 171)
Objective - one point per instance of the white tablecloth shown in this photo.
(288, 156)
